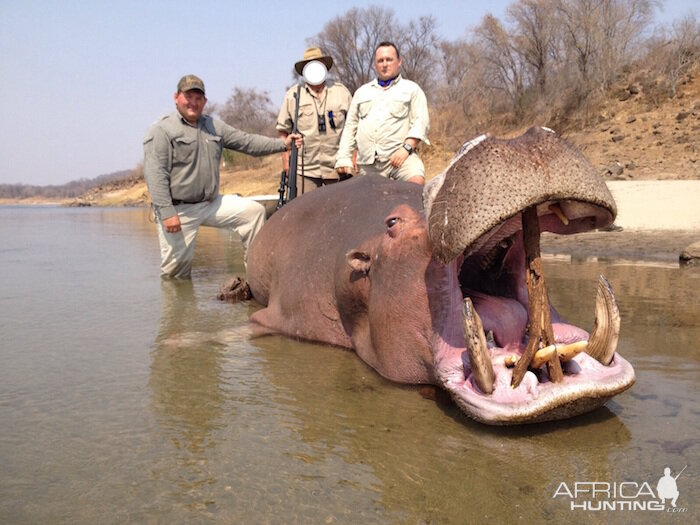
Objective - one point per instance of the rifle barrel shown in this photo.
(294, 155)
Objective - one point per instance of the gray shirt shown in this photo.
(181, 161)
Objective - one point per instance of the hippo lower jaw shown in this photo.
(478, 370)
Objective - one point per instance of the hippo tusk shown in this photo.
(606, 332)
(564, 353)
(541, 331)
(556, 210)
(479, 359)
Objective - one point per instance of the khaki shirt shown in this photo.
(317, 155)
(181, 161)
(380, 120)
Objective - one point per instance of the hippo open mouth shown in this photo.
(448, 288)
(503, 353)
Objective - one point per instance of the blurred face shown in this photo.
(386, 63)
(190, 104)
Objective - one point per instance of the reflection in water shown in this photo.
(186, 385)
(116, 411)
(185, 368)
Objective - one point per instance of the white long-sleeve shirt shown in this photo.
(381, 119)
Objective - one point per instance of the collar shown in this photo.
(320, 95)
(183, 121)
(387, 83)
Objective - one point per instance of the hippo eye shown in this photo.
(391, 221)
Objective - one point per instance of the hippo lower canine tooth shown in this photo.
(479, 359)
(604, 337)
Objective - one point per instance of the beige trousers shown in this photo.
(244, 216)
(411, 167)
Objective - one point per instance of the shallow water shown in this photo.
(124, 399)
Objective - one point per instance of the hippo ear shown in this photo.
(359, 261)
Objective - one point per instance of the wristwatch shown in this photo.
(408, 148)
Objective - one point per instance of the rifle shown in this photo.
(288, 182)
(294, 155)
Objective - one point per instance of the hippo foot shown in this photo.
(234, 290)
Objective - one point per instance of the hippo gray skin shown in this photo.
(429, 287)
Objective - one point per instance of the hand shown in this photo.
(296, 137)
(398, 157)
(172, 224)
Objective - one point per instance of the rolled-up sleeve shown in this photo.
(418, 117)
(157, 153)
(348, 139)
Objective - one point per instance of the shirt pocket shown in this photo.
(399, 108)
(363, 108)
(338, 118)
(307, 118)
(214, 147)
(184, 149)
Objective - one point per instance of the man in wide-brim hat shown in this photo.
(323, 104)
(313, 53)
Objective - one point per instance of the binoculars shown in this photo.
(322, 122)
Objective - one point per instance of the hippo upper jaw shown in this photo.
(522, 363)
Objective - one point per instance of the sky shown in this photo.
(81, 81)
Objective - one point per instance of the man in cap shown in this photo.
(387, 120)
(323, 104)
(182, 152)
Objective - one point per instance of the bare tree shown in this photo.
(351, 39)
(419, 43)
(601, 35)
(535, 37)
(249, 110)
(682, 50)
(503, 65)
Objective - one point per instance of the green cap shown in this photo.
(190, 82)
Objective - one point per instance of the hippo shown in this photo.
(443, 285)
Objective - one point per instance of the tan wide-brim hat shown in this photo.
(313, 53)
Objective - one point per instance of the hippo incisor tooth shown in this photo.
(564, 353)
(479, 359)
(556, 210)
(606, 332)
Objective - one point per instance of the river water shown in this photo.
(124, 399)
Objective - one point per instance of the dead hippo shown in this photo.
(444, 286)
